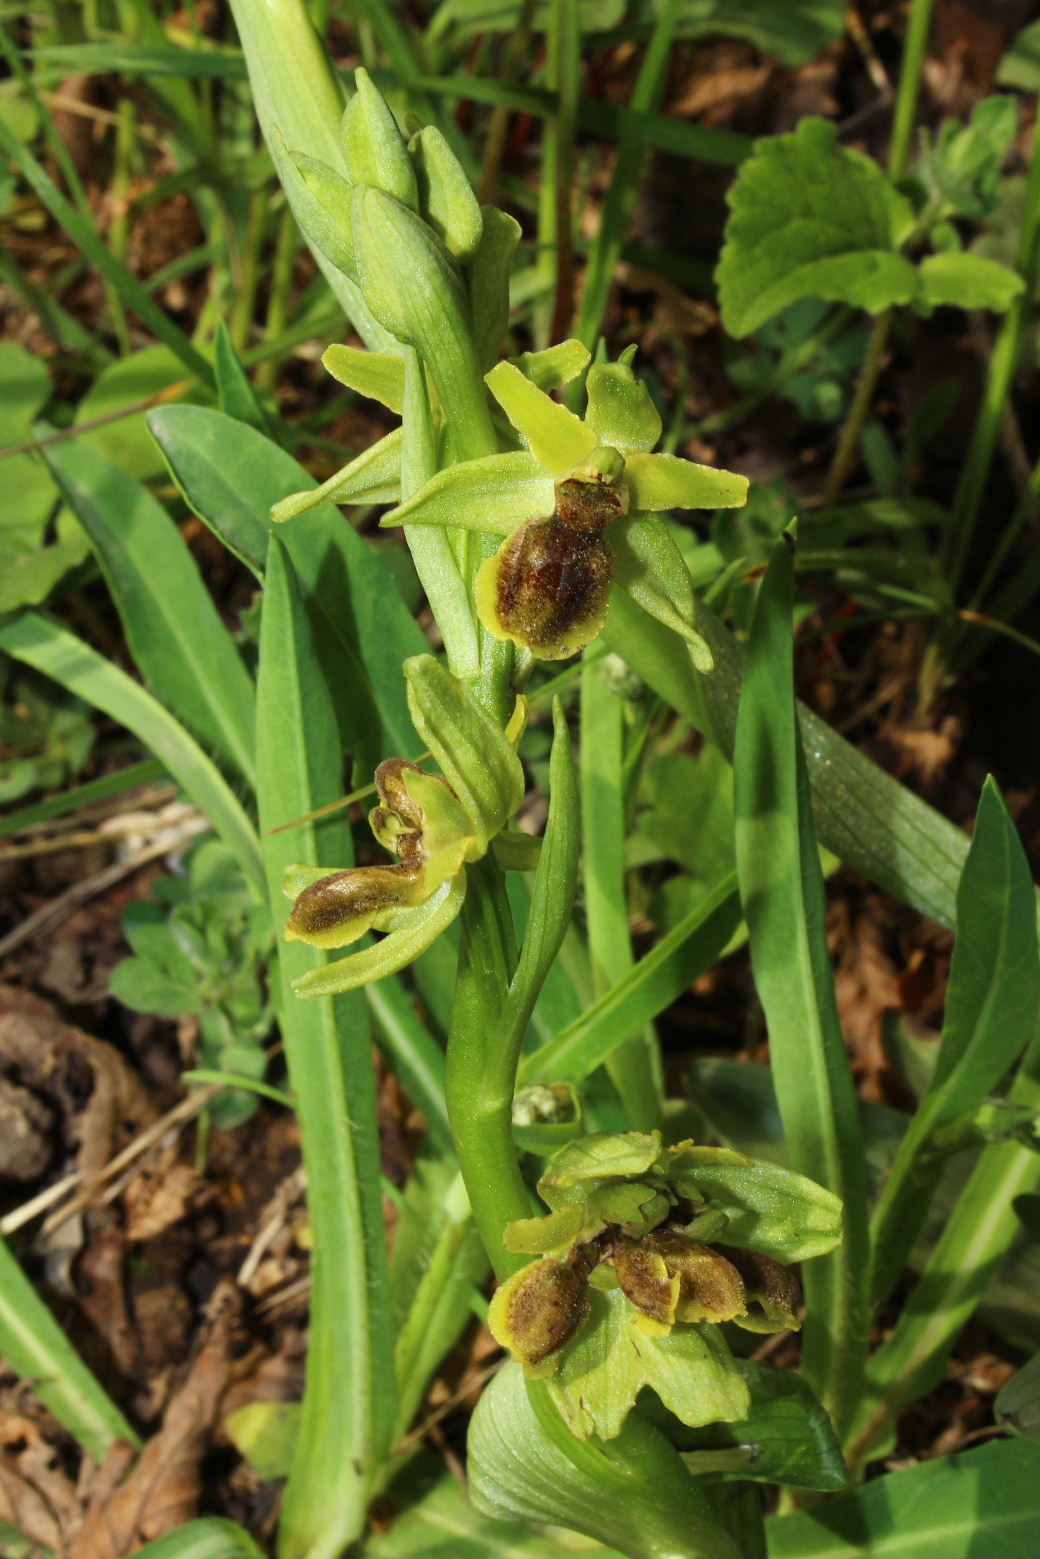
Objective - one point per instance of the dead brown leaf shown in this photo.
(36, 1496)
(162, 1491)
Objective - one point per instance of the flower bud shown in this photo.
(374, 148)
(446, 198)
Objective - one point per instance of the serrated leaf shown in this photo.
(968, 281)
(811, 219)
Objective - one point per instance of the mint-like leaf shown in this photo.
(811, 219)
(968, 281)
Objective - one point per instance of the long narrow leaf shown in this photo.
(94, 249)
(34, 1344)
(654, 984)
(991, 1015)
(657, 980)
(348, 1403)
(874, 824)
(231, 476)
(59, 654)
(180, 646)
(782, 891)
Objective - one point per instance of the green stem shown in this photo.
(903, 119)
(634, 1067)
(479, 1104)
(556, 247)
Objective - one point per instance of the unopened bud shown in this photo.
(446, 198)
(374, 148)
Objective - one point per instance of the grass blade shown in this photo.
(81, 796)
(85, 237)
(348, 1401)
(179, 644)
(867, 818)
(657, 980)
(34, 1344)
(782, 891)
(59, 654)
(231, 476)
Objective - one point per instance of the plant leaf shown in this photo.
(983, 1501)
(811, 219)
(348, 1400)
(968, 281)
(788, 1435)
(179, 644)
(525, 1465)
(59, 654)
(991, 1014)
(36, 1347)
(782, 892)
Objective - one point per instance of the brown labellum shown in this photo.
(547, 586)
(341, 907)
(540, 1307)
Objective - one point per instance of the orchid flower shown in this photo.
(553, 500)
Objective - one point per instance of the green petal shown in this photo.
(495, 494)
(554, 435)
(374, 477)
(649, 565)
(603, 1369)
(377, 375)
(555, 366)
(620, 410)
(394, 952)
(666, 482)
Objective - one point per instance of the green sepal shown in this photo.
(604, 1367)
(554, 435)
(620, 410)
(417, 929)
(516, 852)
(475, 756)
(446, 198)
(769, 1209)
(298, 876)
(377, 375)
(540, 1236)
(665, 482)
(554, 366)
(605, 1155)
(374, 477)
(649, 565)
(489, 272)
(374, 149)
(406, 276)
(494, 494)
(327, 229)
